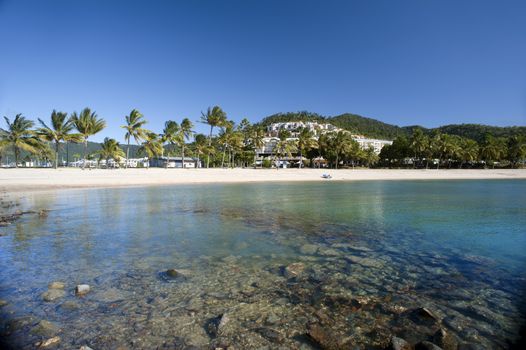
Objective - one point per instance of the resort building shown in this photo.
(175, 162)
(317, 129)
(366, 143)
(294, 127)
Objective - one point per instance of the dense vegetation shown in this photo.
(66, 138)
(376, 129)
(439, 149)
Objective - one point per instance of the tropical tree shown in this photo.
(322, 143)
(516, 150)
(200, 146)
(285, 148)
(134, 128)
(340, 143)
(419, 143)
(59, 131)
(20, 137)
(225, 137)
(171, 135)
(110, 149)
(152, 145)
(306, 142)
(87, 124)
(255, 140)
(215, 117)
(370, 157)
(492, 149)
(469, 151)
(185, 132)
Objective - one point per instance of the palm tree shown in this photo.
(469, 151)
(419, 143)
(516, 149)
(492, 149)
(213, 117)
(152, 145)
(87, 123)
(58, 132)
(305, 143)
(225, 137)
(284, 147)
(110, 149)
(340, 144)
(200, 146)
(185, 132)
(20, 136)
(170, 135)
(255, 139)
(321, 144)
(134, 128)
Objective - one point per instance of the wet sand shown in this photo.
(24, 180)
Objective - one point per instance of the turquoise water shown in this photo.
(456, 247)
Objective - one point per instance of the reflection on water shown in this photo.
(366, 257)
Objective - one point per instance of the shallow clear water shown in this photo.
(380, 249)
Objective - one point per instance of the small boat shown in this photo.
(326, 176)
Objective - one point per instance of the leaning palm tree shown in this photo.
(152, 145)
(87, 123)
(305, 143)
(134, 128)
(59, 131)
(213, 117)
(110, 149)
(185, 132)
(170, 135)
(20, 137)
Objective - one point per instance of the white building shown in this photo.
(317, 129)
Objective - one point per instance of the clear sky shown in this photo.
(427, 62)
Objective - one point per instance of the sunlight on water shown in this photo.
(369, 252)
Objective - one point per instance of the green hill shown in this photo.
(376, 129)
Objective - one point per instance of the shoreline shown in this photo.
(37, 180)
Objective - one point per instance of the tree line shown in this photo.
(453, 151)
(238, 145)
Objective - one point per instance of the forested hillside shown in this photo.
(376, 129)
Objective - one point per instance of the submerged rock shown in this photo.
(399, 344)
(56, 285)
(427, 345)
(323, 337)
(308, 249)
(294, 270)
(445, 340)
(271, 334)
(69, 306)
(85, 347)
(3, 302)
(45, 328)
(53, 294)
(82, 289)
(49, 342)
(424, 316)
(172, 273)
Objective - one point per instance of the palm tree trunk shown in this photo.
(337, 159)
(85, 153)
(182, 151)
(301, 159)
(255, 158)
(16, 156)
(223, 159)
(56, 154)
(127, 154)
(209, 145)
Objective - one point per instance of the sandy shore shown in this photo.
(23, 180)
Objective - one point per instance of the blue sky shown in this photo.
(403, 62)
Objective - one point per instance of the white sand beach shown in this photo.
(24, 180)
